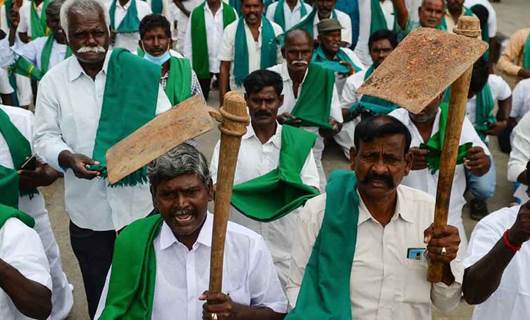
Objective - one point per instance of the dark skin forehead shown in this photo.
(298, 37)
(393, 145)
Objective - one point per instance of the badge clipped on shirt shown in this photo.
(415, 253)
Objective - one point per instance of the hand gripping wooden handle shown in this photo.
(469, 27)
(233, 126)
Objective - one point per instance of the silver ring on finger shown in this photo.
(443, 252)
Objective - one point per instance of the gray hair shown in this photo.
(183, 159)
(54, 7)
(82, 7)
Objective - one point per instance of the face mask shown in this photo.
(160, 60)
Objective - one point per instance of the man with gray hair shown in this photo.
(161, 264)
(85, 105)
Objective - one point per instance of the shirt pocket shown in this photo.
(415, 289)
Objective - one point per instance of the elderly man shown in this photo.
(204, 34)
(179, 238)
(515, 59)
(20, 175)
(430, 15)
(288, 13)
(25, 289)
(310, 96)
(249, 44)
(381, 44)
(76, 125)
(276, 170)
(368, 239)
(427, 129)
(125, 17)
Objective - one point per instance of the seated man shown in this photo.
(178, 242)
(25, 289)
(372, 236)
(520, 101)
(515, 59)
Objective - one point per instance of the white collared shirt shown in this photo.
(20, 247)
(182, 275)
(227, 52)
(427, 182)
(384, 283)
(520, 99)
(254, 160)
(128, 41)
(179, 21)
(520, 153)
(25, 17)
(345, 22)
(33, 52)
(214, 36)
(66, 118)
(291, 17)
(511, 300)
(500, 90)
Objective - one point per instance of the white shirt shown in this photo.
(227, 52)
(66, 118)
(25, 17)
(291, 17)
(427, 182)
(345, 22)
(254, 160)
(33, 51)
(182, 275)
(511, 300)
(179, 21)
(3, 19)
(384, 284)
(214, 36)
(500, 91)
(492, 17)
(5, 86)
(20, 246)
(520, 99)
(128, 41)
(520, 153)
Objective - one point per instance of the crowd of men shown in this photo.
(78, 76)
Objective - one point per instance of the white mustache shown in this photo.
(299, 62)
(98, 49)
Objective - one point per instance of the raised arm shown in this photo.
(402, 14)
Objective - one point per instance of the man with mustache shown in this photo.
(169, 255)
(427, 129)
(310, 96)
(85, 105)
(368, 239)
(430, 13)
(261, 193)
(249, 44)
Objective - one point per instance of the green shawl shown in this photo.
(157, 6)
(279, 13)
(374, 104)
(38, 23)
(132, 280)
(20, 151)
(314, 100)
(268, 49)
(325, 290)
(526, 53)
(320, 58)
(277, 193)
(308, 22)
(8, 4)
(378, 21)
(125, 107)
(236, 4)
(436, 142)
(130, 22)
(484, 111)
(199, 43)
(47, 52)
(178, 86)
(7, 212)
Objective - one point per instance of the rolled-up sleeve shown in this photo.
(520, 153)
(447, 298)
(510, 58)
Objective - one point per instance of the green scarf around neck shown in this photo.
(129, 102)
(236, 4)
(280, 191)
(325, 290)
(268, 54)
(20, 151)
(130, 22)
(314, 100)
(8, 4)
(38, 23)
(526, 53)
(7, 212)
(308, 22)
(436, 142)
(47, 52)
(133, 275)
(374, 104)
(279, 13)
(199, 43)
(178, 86)
(484, 111)
(320, 58)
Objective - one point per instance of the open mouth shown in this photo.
(184, 218)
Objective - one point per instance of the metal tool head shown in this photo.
(422, 66)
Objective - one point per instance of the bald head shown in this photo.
(297, 51)
(297, 35)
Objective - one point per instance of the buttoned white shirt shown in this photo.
(500, 90)
(384, 283)
(25, 17)
(291, 17)
(182, 275)
(66, 118)
(20, 247)
(33, 52)
(227, 52)
(510, 301)
(427, 182)
(128, 41)
(492, 14)
(345, 22)
(520, 99)
(254, 160)
(214, 28)
(520, 153)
